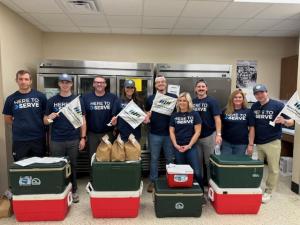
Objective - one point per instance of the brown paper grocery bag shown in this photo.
(5, 207)
(132, 149)
(104, 150)
(118, 151)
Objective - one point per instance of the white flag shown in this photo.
(132, 114)
(73, 112)
(292, 108)
(163, 104)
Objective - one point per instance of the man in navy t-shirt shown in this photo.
(267, 137)
(100, 108)
(209, 111)
(25, 109)
(159, 132)
(65, 139)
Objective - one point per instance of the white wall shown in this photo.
(21, 48)
(175, 49)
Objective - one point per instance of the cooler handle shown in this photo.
(68, 170)
(210, 194)
(141, 188)
(89, 187)
(70, 198)
(93, 158)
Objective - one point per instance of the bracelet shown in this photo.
(219, 134)
(84, 137)
(250, 144)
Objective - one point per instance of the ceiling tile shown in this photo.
(159, 22)
(226, 23)
(52, 19)
(156, 31)
(257, 24)
(72, 29)
(125, 21)
(216, 32)
(287, 25)
(203, 8)
(190, 23)
(122, 30)
(38, 6)
(279, 11)
(279, 33)
(100, 30)
(186, 32)
(241, 32)
(89, 20)
(10, 4)
(242, 10)
(163, 7)
(123, 8)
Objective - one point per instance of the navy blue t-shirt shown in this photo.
(264, 132)
(207, 108)
(159, 123)
(62, 129)
(184, 123)
(27, 111)
(100, 110)
(235, 126)
(124, 128)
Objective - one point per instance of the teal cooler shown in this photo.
(177, 202)
(116, 176)
(234, 171)
(39, 178)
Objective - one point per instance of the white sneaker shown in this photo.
(75, 197)
(266, 197)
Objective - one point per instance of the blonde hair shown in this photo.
(188, 98)
(230, 106)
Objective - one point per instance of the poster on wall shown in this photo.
(246, 75)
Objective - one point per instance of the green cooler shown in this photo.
(177, 202)
(39, 178)
(233, 171)
(116, 176)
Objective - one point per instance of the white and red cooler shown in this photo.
(234, 200)
(179, 175)
(114, 204)
(42, 207)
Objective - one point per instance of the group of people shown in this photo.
(188, 136)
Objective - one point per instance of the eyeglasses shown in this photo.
(99, 82)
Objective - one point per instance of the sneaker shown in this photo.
(266, 197)
(150, 187)
(75, 197)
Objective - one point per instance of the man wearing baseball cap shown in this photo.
(267, 137)
(65, 139)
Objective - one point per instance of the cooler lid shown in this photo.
(47, 164)
(219, 190)
(161, 187)
(179, 169)
(114, 194)
(235, 160)
(44, 196)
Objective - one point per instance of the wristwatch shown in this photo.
(219, 134)
(83, 137)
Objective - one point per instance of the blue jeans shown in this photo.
(156, 143)
(190, 157)
(232, 149)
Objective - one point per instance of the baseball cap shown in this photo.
(129, 83)
(259, 88)
(65, 77)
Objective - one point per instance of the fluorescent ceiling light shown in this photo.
(271, 1)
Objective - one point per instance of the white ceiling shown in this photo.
(166, 17)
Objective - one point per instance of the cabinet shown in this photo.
(288, 79)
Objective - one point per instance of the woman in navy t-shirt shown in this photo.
(237, 126)
(128, 94)
(185, 128)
